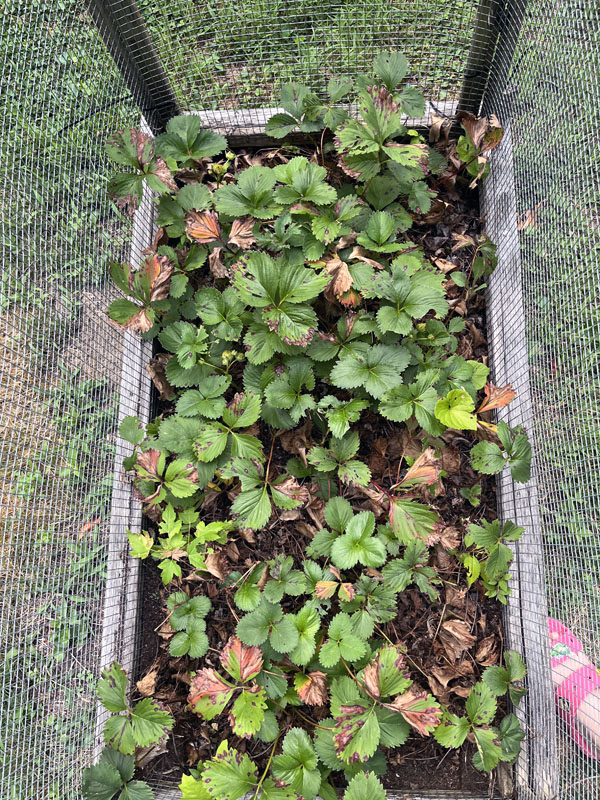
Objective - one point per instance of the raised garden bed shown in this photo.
(445, 626)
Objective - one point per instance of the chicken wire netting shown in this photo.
(67, 375)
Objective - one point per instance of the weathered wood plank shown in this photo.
(121, 596)
(526, 625)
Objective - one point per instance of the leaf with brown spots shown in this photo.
(241, 661)
(419, 709)
(425, 470)
(325, 589)
(203, 226)
(496, 397)
(209, 693)
(241, 233)
(312, 688)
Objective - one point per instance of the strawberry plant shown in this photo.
(324, 402)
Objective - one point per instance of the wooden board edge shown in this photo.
(121, 596)
(526, 616)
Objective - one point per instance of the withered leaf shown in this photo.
(247, 660)
(475, 127)
(147, 685)
(313, 691)
(216, 564)
(360, 254)
(207, 683)
(147, 463)
(292, 489)
(215, 263)
(422, 715)
(461, 240)
(140, 321)
(347, 592)
(203, 226)
(440, 129)
(241, 233)
(425, 470)
(456, 637)
(325, 589)
(298, 440)
(444, 265)
(341, 280)
(158, 270)
(487, 651)
(496, 397)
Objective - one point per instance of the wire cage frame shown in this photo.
(499, 71)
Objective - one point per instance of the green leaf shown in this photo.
(269, 728)
(496, 679)
(377, 369)
(248, 712)
(132, 430)
(456, 410)
(481, 705)
(391, 68)
(112, 688)
(297, 765)
(122, 310)
(229, 775)
(284, 635)
(194, 642)
(511, 737)
(341, 643)
(452, 730)
(359, 544)
(365, 787)
(411, 520)
(280, 125)
(487, 458)
(104, 779)
(192, 789)
(305, 183)
(194, 196)
(252, 195)
(140, 543)
(254, 628)
(338, 513)
(488, 749)
(307, 624)
(185, 140)
(253, 507)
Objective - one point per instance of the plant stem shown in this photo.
(264, 775)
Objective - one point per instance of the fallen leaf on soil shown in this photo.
(144, 755)
(455, 596)
(291, 515)
(444, 265)
(215, 564)
(450, 460)
(440, 129)
(291, 489)
(456, 637)
(89, 526)
(487, 651)
(241, 233)
(461, 240)
(297, 441)
(147, 685)
(307, 530)
(360, 254)
(156, 368)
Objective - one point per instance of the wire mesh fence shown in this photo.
(70, 76)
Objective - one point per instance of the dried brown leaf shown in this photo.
(341, 280)
(496, 397)
(216, 265)
(216, 564)
(248, 659)
(241, 233)
(313, 691)
(203, 226)
(456, 637)
(408, 704)
(147, 685)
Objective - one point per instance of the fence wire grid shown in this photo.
(74, 73)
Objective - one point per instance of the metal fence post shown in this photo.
(126, 37)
